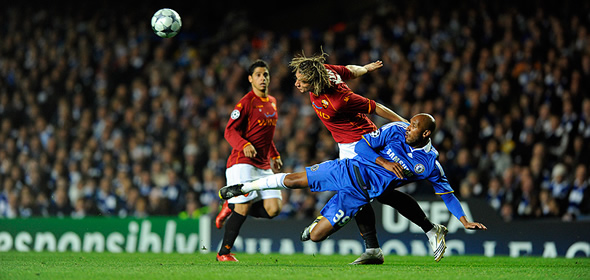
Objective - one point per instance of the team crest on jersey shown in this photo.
(375, 133)
(235, 114)
(325, 103)
(419, 168)
(314, 167)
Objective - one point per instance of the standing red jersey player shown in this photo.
(250, 132)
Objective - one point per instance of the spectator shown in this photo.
(496, 194)
(548, 206)
(559, 186)
(60, 204)
(493, 162)
(579, 196)
(105, 199)
(525, 199)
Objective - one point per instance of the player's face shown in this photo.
(301, 83)
(260, 79)
(414, 132)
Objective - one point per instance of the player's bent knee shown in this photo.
(242, 208)
(273, 207)
(273, 212)
(320, 232)
(317, 237)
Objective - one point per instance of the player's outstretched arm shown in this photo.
(388, 114)
(454, 206)
(358, 71)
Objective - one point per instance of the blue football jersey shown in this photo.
(419, 164)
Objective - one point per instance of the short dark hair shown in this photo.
(256, 64)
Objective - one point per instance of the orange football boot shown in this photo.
(222, 216)
(226, 258)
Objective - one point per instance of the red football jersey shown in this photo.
(253, 122)
(342, 111)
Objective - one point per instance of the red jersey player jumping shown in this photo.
(250, 132)
(344, 113)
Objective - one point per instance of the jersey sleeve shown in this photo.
(238, 119)
(344, 73)
(358, 104)
(439, 180)
(370, 143)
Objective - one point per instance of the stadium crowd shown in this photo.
(100, 117)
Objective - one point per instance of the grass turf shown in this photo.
(46, 265)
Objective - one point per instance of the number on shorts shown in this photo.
(340, 219)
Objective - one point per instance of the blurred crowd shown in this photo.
(98, 116)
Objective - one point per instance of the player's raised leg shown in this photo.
(278, 181)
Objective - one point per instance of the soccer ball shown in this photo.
(166, 23)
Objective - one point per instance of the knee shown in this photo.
(315, 236)
(241, 208)
(321, 231)
(273, 210)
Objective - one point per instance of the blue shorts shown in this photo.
(338, 175)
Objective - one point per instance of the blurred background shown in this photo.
(100, 117)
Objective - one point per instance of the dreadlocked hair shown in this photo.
(313, 71)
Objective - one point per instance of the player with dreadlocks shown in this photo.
(344, 113)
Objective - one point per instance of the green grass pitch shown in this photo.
(15, 265)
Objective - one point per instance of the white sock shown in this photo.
(272, 182)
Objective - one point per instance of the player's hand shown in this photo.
(276, 164)
(374, 65)
(250, 151)
(475, 226)
(396, 168)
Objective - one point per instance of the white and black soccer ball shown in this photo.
(166, 23)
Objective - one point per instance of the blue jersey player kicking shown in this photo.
(394, 155)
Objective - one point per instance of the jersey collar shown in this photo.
(426, 147)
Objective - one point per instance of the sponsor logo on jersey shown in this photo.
(235, 114)
(419, 168)
(316, 106)
(270, 115)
